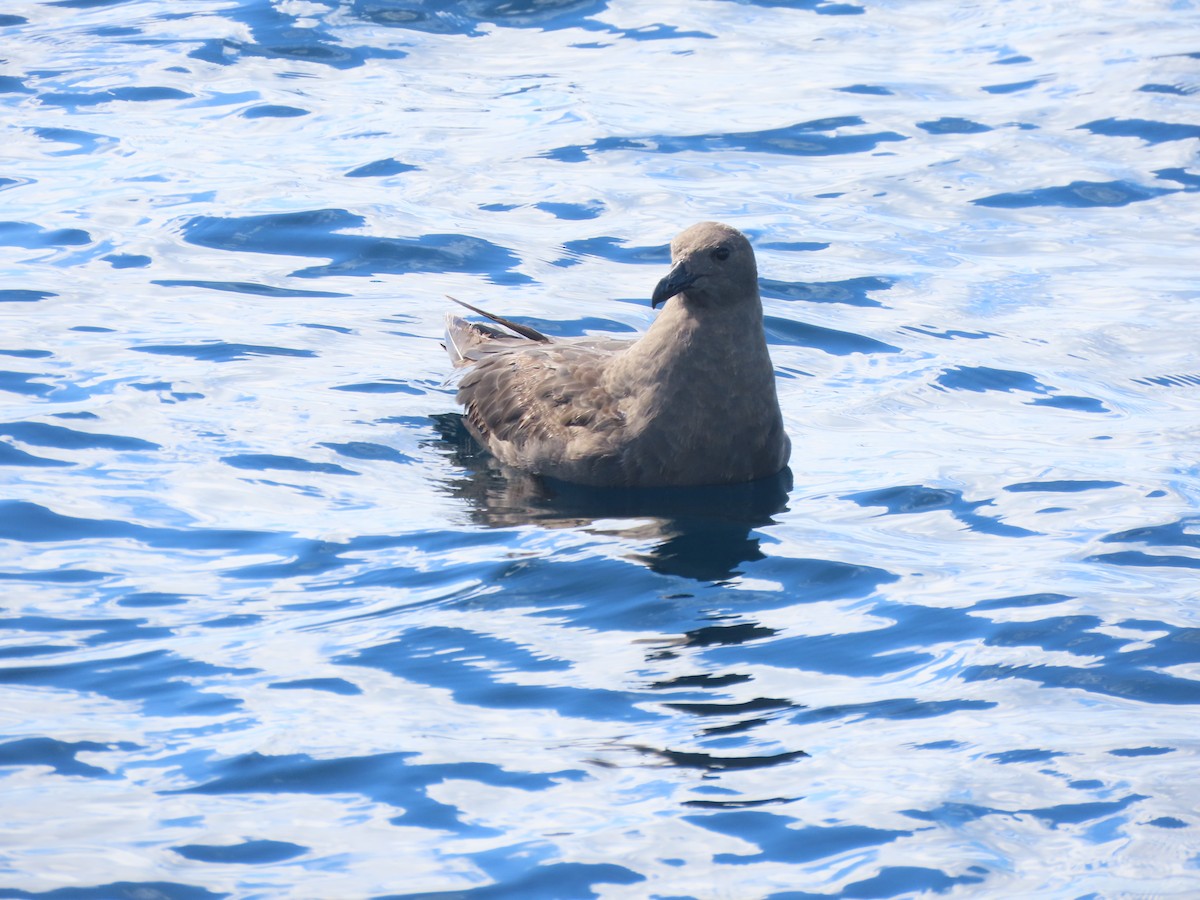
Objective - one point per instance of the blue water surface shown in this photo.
(273, 627)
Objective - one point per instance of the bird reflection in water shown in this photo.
(701, 533)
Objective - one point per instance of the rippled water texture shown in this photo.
(273, 628)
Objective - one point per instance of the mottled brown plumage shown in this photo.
(691, 402)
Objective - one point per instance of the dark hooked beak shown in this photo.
(678, 279)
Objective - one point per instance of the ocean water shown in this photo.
(273, 628)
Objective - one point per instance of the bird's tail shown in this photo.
(523, 330)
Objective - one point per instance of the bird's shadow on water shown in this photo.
(700, 533)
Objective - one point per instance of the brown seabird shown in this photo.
(691, 402)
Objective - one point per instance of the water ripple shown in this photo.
(270, 614)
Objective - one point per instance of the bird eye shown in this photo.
(721, 254)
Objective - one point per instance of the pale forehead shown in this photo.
(707, 235)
